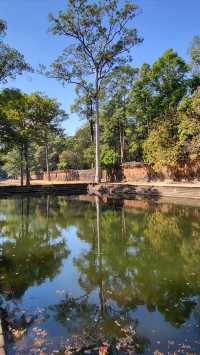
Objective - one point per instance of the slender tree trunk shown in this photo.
(91, 130)
(47, 160)
(21, 166)
(92, 136)
(121, 140)
(121, 132)
(27, 164)
(97, 136)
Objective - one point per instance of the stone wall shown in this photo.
(142, 172)
(36, 176)
(183, 172)
(61, 175)
(136, 171)
(132, 171)
(73, 175)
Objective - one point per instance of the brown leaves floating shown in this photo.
(103, 350)
(17, 333)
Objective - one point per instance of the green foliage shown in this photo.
(195, 107)
(115, 121)
(160, 147)
(148, 114)
(189, 128)
(14, 107)
(12, 163)
(151, 113)
(158, 88)
(78, 153)
(109, 158)
(29, 119)
(30, 115)
(101, 36)
(176, 141)
(56, 145)
(46, 113)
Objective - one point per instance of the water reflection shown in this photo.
(31, 247)
(103, 320)
(136, 258)
(147, 259)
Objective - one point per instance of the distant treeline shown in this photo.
(150, 114)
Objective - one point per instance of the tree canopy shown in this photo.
(150, 113)
(30, 118)
(101, 37)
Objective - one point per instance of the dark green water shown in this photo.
(77, 273)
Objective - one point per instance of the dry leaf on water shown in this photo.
(103, 350)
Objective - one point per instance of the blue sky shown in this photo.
(162, 23)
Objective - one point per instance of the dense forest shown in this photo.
(150, 114)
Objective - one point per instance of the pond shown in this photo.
(76, 273)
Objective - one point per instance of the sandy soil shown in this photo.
(10, 182)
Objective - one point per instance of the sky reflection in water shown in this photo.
(88, 271)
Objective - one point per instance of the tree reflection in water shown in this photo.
(138, 258)
(103, 321)
(32, 247)
(144, 255)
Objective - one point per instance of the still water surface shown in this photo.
(75, 273)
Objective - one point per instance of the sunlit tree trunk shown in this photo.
(27, 168)
(97, 134)
(47, 159)
(91, 131)
(21, 167)
(121, 132)
(121, 140)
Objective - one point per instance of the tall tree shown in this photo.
(13, 106)
(12, 63)
(101, 36)
(30, 117)
(48, 115)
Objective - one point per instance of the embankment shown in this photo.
(155, 190)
